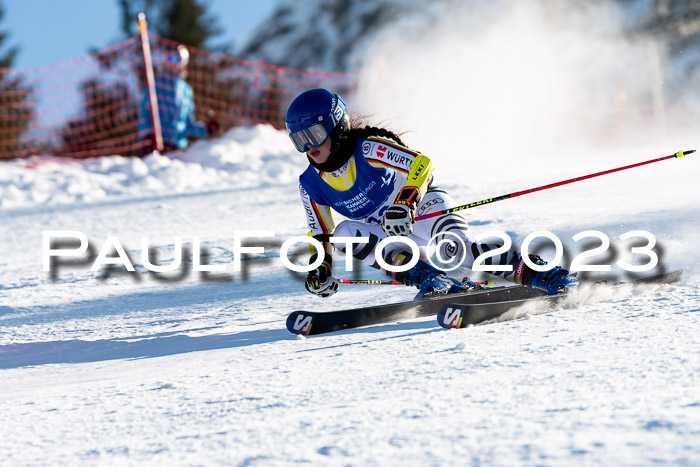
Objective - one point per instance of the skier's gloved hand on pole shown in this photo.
(398, 218)
(321, 282)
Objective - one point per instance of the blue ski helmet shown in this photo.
(312, 116)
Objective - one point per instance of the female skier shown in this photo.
(370, 177)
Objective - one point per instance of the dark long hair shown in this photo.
(344, 139)
(361, 128)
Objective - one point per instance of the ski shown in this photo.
(460, 315)
(309, 323)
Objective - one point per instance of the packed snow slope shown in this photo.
(110, 367)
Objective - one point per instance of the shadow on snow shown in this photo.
(165, 344)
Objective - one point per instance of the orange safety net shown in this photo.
(90, 106)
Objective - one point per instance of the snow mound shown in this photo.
(242, 158)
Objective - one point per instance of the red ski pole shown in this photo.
(368, 282)
(489, 282)
(551, 185)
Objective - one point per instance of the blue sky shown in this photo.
(53, 31)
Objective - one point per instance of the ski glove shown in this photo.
(321, 282)
(398, 218)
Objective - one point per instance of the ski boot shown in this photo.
(431, 281)
(554, 281)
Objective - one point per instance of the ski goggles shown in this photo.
(176, 59)
(313, 136)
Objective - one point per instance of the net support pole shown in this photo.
(150, 82)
